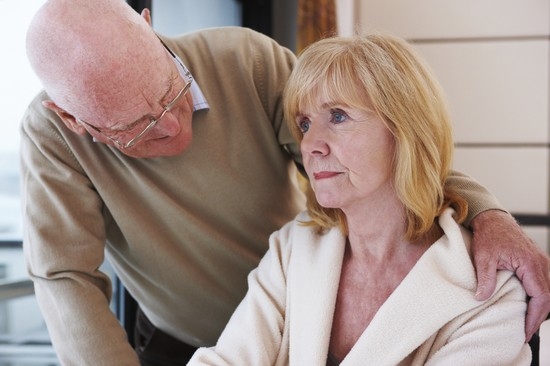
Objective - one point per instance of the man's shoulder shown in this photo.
(230, 39)
(233, 32)
(36, 111)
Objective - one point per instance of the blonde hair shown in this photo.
(385, 72)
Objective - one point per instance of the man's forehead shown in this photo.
(129, 100)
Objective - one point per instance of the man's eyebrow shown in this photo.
(148, 116)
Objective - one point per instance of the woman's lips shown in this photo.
(325, 175)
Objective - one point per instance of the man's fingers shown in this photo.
(537, 311)
(486, 272)
(534, 276)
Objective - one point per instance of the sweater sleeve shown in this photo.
(478, 197)
(64, 242)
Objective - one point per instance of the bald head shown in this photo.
(85, 53)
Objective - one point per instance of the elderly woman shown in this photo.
(378, 270)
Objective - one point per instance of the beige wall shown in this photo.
(492, 58)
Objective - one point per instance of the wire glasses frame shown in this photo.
(153, 121)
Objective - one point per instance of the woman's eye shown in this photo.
(303, 125)
(338, 116)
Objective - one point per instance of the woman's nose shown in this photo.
(314, 141)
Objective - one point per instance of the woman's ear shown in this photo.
(146, 14)
(68, 119)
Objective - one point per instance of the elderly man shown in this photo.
(172, 157)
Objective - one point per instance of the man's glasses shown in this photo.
(152, 121)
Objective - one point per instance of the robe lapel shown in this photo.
(313, 287)
(440, 287)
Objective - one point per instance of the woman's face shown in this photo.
(348, 155)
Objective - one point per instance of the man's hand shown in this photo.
(500, 243)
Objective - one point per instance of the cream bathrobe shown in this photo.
(431, 318)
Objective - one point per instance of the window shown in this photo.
(173, 17)
(19, 85)
(23, 335)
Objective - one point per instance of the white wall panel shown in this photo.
(545, 343)
(497, 91)
(539, 235)
(518, 177)
(429, 19)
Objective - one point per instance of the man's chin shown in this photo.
(158, 148)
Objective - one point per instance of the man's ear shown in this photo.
(67, 118)
(146, 14)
